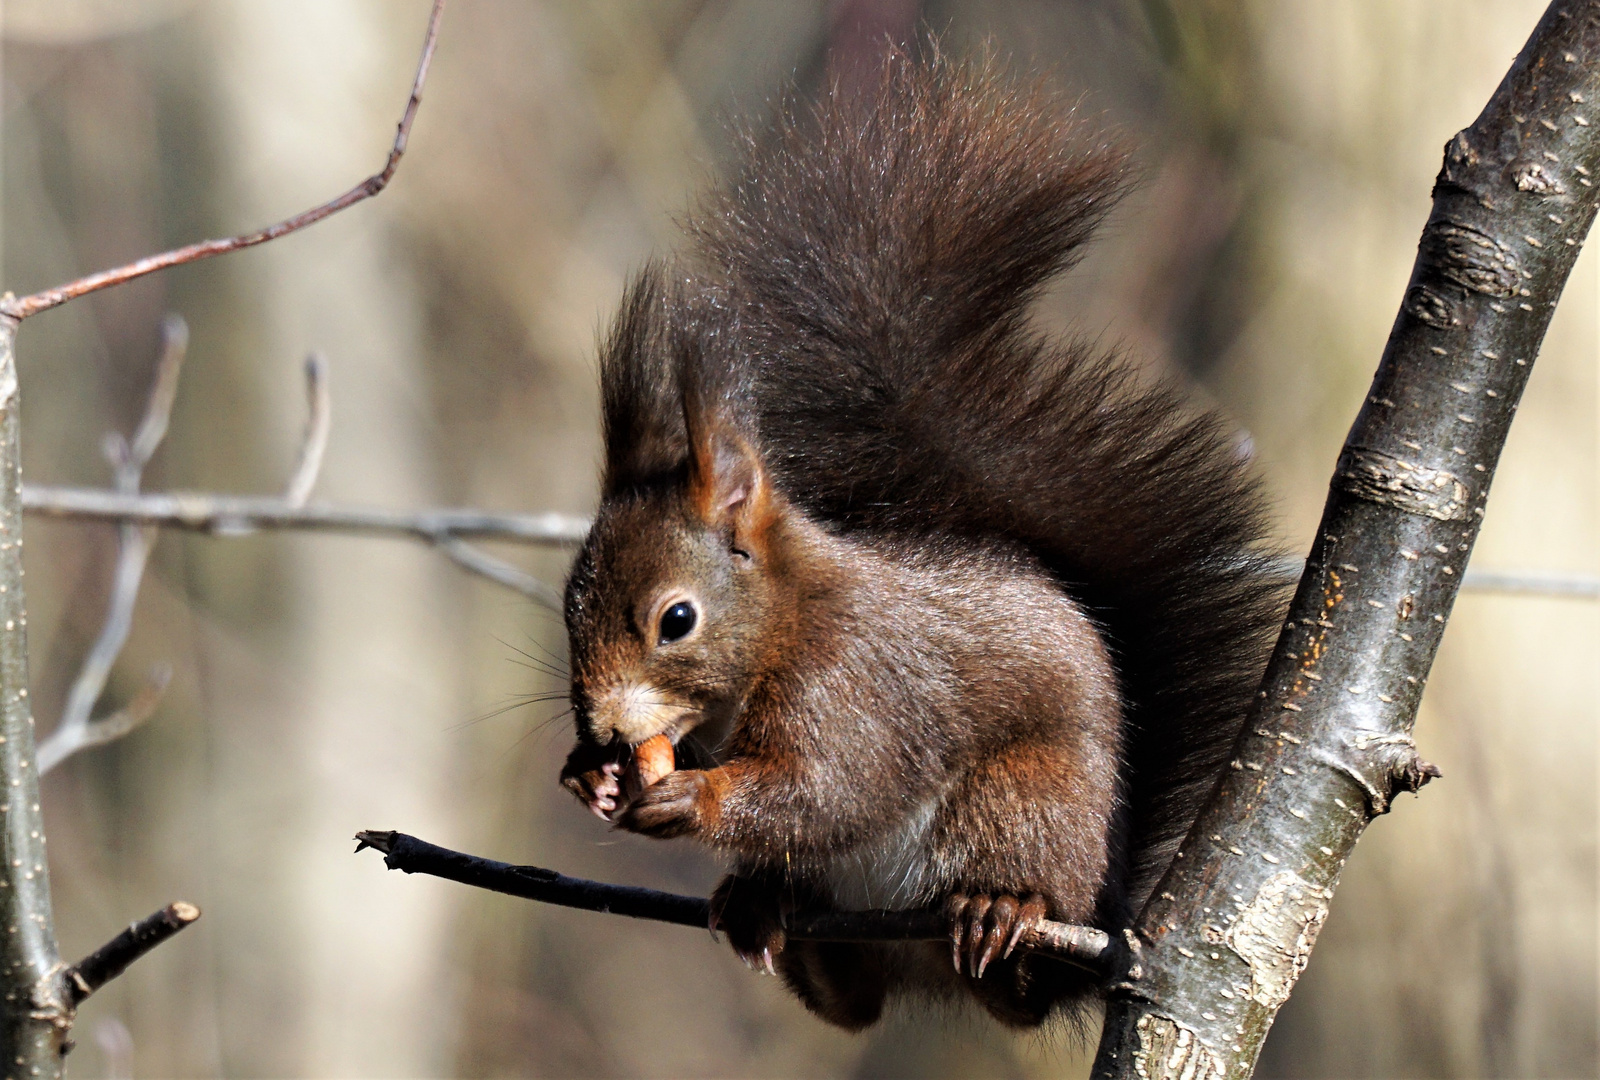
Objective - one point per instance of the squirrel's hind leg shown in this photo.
(844, 984)
(1023, 990)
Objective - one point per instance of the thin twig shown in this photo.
(163, 392)
(234, 513)
(1530, 583)
(43, 301)
(319, 421)
(139, 708)
(479, 562)
(75, 732)
(113, 958)
(1559, 586)
(1084, 946)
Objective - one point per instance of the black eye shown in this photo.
(677, 621)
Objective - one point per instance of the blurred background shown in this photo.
(327, 684)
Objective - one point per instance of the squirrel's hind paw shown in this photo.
(750, 914)
(984, 928)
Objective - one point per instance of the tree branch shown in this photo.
(35, 1015)
(113, 958)
(36, 1009)
(19, 309)
(242, 514)
(1328, 742)
(1081, 945)
(74, 732)
(319, 423)
(478, 562)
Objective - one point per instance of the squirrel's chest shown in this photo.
(895, 870)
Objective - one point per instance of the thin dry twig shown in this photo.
(239, 514)
(113, 958)
(1084, 946)
(76, 731)
(485, 565)
(16, 308)
(319, 422)
(1521, 582)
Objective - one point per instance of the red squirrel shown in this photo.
(938, 612)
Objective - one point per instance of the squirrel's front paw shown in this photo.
(593, 774)
(750, 913)
(986, 928)
(679, 804)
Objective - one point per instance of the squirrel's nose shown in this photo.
(634, 710)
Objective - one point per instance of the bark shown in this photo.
(36, 1016)
(1328, 745)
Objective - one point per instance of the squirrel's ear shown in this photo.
(728, 486)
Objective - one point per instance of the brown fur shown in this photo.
(975, 618)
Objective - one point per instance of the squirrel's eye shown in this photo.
(677, 621)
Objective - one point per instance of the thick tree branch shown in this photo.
(16, 308)
(1328, 743)
(34, 1013)
(1081, 945)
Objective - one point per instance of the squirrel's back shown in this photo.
(866, 275)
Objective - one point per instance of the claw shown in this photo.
(955, 909)
(977, 908)
(1029, 915)
(1001, 916)
(766, 961)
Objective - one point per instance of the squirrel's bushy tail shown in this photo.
(878, 256)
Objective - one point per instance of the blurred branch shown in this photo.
(236, 515)
(38, 1007)
(75, 731)
(113, 958)
(503, 573)
(1081, 945)
(319, 422)
(18, 309)
(1327, 745)
(231, 515)
(1531, 583)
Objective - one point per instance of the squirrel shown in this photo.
(938, 611)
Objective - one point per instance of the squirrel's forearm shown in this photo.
(763, 808)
